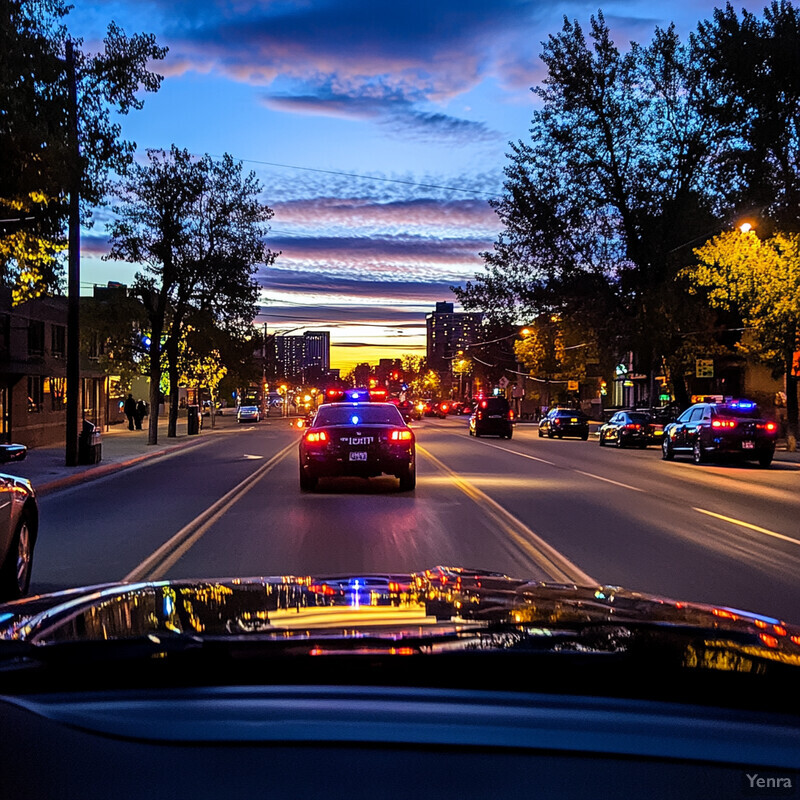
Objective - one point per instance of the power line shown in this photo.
(363, 177)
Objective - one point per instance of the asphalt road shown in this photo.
(562, 510)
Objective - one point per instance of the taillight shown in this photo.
(769, 427)
(444, 406)
(511, 414)
(723, 423)
(316, 437)
(632, 426)
(401, 436)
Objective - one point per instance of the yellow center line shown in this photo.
(158, 562)
(748, 525)
(557, 566)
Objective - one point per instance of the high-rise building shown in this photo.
(448, 332)
(304, 358)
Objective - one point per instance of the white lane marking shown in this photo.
(749, 525)
(607, 480)
(517, 453)
(248, 457)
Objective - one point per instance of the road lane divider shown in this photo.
(748, 525)
(556, 565)
(158, 562)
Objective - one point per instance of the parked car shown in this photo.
(248, 414)
(492, 416)
(630, 429)
(736, 428)
(19, 526)
(560, 422)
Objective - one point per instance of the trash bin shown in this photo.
(90, 447)
(194, 420)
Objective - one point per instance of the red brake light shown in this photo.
(768, 426)
(632, 426)
(483, 404)
(316, 437)
(401, 436)
(719, 422)
(444, 406)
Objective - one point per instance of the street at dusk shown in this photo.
(716, 534)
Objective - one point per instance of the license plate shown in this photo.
(574, 419)
(658, 433)
(748, 445)
(358, 456)
(494, 416)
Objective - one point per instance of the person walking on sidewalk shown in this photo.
(130, 411)
(141, 413)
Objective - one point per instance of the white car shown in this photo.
(248, 414)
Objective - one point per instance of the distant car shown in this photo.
(735, 428)
(441, 409)
(358, 439)
(248, 414)
(19, 526)
(630, 429)
(492, 416)
(409, 411)
(560, 422)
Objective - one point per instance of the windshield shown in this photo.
(226, 227)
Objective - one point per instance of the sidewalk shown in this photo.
(45, 468)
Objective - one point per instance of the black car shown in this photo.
(735, 428)
(409, 411)
(358, 439)
(492, 416)
(630, 429)
(560, 422)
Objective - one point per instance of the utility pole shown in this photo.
(74, 269)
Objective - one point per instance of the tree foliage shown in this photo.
(38, 161)
(196, 226)
(761, 281)
(599, 201)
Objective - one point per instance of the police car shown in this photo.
(358, 438)
(734, 428)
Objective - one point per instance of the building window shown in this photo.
(35, 338)
(58, 341)
(35, 393)
(58, 393)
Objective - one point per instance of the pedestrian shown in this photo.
(130, 411)
(141, 413)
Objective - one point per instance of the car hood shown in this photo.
(450, 607)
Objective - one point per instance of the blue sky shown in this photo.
(378, 129)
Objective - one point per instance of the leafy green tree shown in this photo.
(38, 163)
(761, 280)
(753, 66)
(197, 228)
(599, 201)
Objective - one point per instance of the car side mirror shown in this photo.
(12, 452)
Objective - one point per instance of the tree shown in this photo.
(38, 164)
(760, 280)
(197, 228)
(599, 202)
(753, 65)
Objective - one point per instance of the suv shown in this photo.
(494, 416)
(734, 428)
(562, 422)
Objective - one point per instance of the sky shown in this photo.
(379, 131)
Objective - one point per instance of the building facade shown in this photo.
(448, 332)
(33, 368)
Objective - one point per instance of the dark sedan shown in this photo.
(560, 422)
(735, 428)
(358, 439)
(630, 429)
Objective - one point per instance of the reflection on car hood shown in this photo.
(445, 608)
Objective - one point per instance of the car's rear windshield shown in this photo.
(567, 412)
(639, 416)
(495, 403)
(362, 414)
